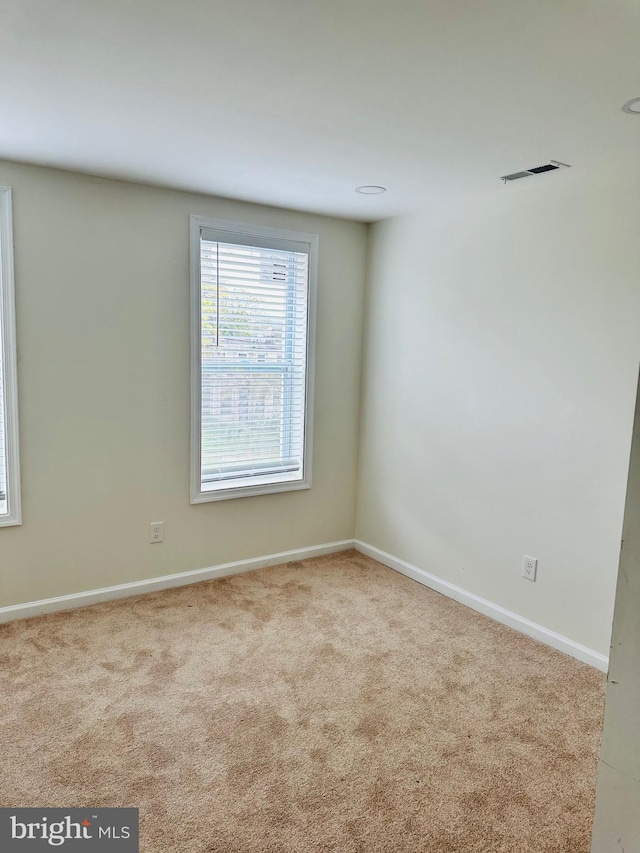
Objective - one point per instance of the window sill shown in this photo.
(248, 491)
(10, 520)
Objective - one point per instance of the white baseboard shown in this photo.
(124, 590)
(506, 617)
(494, 611)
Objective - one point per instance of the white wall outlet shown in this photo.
(529, 568)
(156, 532)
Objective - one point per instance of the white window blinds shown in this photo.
(10, 512)
(3, 437)
(254, 340)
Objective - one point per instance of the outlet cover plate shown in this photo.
(529, 568)
(156, 532)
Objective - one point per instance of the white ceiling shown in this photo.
(296, 102)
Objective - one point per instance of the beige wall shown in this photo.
(102, 292)
(501, 356)
(617, 819)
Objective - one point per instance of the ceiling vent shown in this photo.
(551, 166)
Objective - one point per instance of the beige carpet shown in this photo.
(330, 705)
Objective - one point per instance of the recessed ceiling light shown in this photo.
(371, 189)
(632, 106)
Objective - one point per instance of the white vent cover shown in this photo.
(551, 166)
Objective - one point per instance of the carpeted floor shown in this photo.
(330, 705)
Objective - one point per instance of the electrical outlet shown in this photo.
(529, 568)
(156, 532)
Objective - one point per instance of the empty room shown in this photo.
(319, 453)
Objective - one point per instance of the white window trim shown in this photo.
(196, 223)
(9, 361)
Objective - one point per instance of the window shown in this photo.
(253, 302)
(9, 464)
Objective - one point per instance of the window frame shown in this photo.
(9, 362)
(247, 231)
